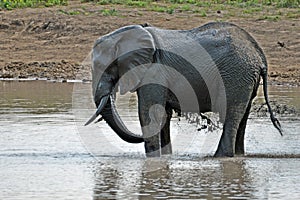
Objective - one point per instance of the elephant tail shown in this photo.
(274, 120)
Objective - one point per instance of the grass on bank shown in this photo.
(202, 3)
(12, 4)
(184, 4)
(262, 9)
(272, 10)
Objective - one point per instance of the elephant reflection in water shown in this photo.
(160, 179)
(216, 67)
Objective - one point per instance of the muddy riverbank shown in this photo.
(70, 70)
(53, 42)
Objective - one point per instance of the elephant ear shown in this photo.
(135, 50)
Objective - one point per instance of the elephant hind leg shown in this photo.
(226, 147)
(240, 137)
(239, 143)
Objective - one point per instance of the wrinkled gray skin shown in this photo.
(216, 67)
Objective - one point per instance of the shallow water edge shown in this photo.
(47, 153)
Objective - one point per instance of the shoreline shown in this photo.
(258, 109)
(65, 71)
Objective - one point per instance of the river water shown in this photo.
(47, 153)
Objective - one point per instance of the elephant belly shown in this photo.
(196, 104)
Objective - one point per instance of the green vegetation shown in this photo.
(201, 3)
(109, 12)
(232, 8)
(11, 4)
(82, 11)
(71, 12)
(270, 18)
(261, 9)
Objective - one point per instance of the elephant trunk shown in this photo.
(111, 116)
(104, 100)
(107, 109)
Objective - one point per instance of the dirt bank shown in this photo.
(53, 42)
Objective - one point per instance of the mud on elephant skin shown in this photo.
(216, 67)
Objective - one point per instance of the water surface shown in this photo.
(47, 153)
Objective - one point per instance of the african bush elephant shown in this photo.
(215, 67)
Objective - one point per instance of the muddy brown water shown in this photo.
(47, 153)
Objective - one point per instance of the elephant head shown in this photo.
(125, 52)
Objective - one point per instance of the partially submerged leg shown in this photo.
(166, 146)
(240, 137)
(151, 105)
(226, 147)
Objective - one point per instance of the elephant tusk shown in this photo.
(99, 120)
(99, 109)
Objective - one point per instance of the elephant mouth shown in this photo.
(102, 104)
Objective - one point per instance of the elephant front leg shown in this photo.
(166, 146)
(157, 132)
(151, 131)
(152, 118)
(152, 146)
